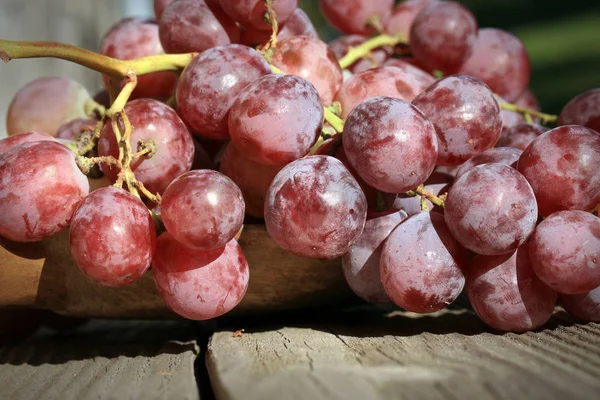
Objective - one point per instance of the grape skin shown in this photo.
(520, 136)
(298, 24)
(422, 265)
(276, 119)
(491, 209)
(203, 209)
(504, 155)
(112, 237)
(40, 187)
(72, 130)
(200, 284)
(251, 12)
(390, 144)
(361, 263)
(315, 208)
(507, 295)
(12, 141)
(211, 82)
(584, 110)
(403, 16)
(565, 251)
(562, 167)
(352, 16)
(465, 114)
(585, 306)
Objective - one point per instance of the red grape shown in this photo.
(442, 36)
(520, 136)
(583, 110)
(342, 45)
(562, 167)
(199, 284)
(112, 237)
(501, 61)
(40, 187)
(422, 265)
(507, 295)
(315, 208)
(491, 209)
(211, 82)
(402, 19)
(465, 114)
(252, 12)
(585, 306)
(27, 137)
(503, 155)
(311, 59)
(73, 129)
(565, 251)
(157, 122)
(44, 104)
(297, 24)
(390, 144)
(357, 16)
(361, 262)
(203, 209)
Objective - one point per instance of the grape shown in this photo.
(404, 84)
(252, 178)
(391, 144)
(403, 16)
(160, 6)
(40, 187)
(520, 136)
(503, 155)
(442, 36)
(203, 209)
(134, 38)
(230, 26)
(44, 104)
(423, 78)
(112, 237)
(211, 82)
(501, 61)
(565, 251)
(276, 119)
(507, 295)
(513, 118)
(491, 209)
(297, 24)
(562, 167)
(465, 114)
(315, 208)
(341, 46)
(585, 306)
(200, 284)
(361, 263)
(190, 26)
(72, 130)
(422, 265)
(252, 12)
(583, 110)
(12, 141)
(412, 204)
(156, 122)
(311, 59)
(357, 16)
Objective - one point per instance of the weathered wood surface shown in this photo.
(449, 356)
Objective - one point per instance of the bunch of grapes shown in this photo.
(411, 148)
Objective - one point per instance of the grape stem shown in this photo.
(420, 191)
(546, 118)
(356, 53)
(271, 19)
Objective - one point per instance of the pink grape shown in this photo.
(562, 167)
(422, 265)
(311, 59)
(199, 284)
(442, 36)
(44, 104)
(391, 144)
(403, 16)
(73, 129)
(503, 155)
(585, 306)
(287, 102)
(112, 237)
(513, 118)
(404, 84)
(315, 208)
(356, 16)
(584, 110)
(203, 209)
(507, 295)
(520, 136)
(40, 187)
(361, 262)
(465, 114)
(297, 24)
(500, 60)
(252, 12)
(159, 123)
(491, 209)
(27, 137)
(211, 82)
(565, 251)
(377, 57)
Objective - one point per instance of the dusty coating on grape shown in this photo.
(507, 295)
(503, 155)
(315, 208)
(582, 110)
(422, 265)
(40, 187)
(352, 16)
(252, 12)
(584, 306)
(403, 16)
(26, 137)
(200, 284)
(491, 209)
(520, 136)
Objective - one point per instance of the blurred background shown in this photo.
(563, 39)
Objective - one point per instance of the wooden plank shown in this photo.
(378, 355)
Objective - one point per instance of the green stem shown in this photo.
(546, 118)
(420, 191)
(356, 53)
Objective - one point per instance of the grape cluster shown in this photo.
(417, 156)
